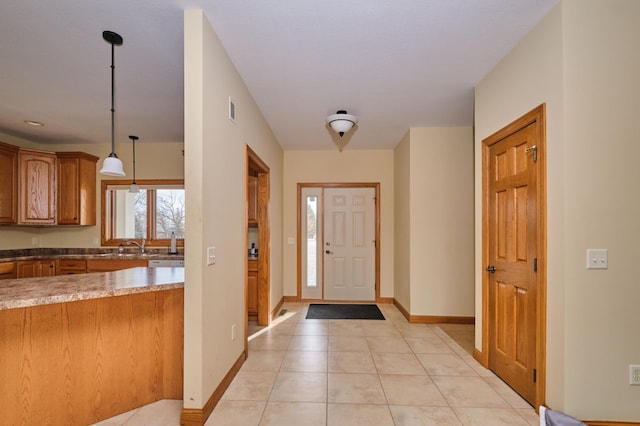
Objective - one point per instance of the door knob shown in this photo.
(491, 269)
(328, 251)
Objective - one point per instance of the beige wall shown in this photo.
(434, 222)
(335, 166)
(153, 161)
(215, 188)
(402, 222)
(441, 209)
(582, 60)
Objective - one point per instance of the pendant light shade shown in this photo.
(112, 165)
(341, 122)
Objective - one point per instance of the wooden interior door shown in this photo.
(349, 244)
(512, 267)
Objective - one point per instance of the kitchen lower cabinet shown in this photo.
(35, 268)
(108, 265)
(7, 270)
(71, 266)
(252, 284)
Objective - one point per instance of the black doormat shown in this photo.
(344, 311)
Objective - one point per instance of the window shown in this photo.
(153, 213)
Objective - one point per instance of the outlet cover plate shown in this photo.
(634, 375)
(597, 259)
(211, 255)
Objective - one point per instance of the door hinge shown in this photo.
(535, 264)
(535, 375)
(533, 148)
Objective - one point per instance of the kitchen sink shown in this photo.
(166, 262)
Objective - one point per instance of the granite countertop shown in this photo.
(80, 253)
(24, 292)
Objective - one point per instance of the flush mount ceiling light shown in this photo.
(134, 186)
(341, 122)
(34, 123)
(112, 166)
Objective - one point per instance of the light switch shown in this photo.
(211, 255)
(597, 259)
(291, 240)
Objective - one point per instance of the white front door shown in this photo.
(349, 244)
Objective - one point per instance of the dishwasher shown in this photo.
(158, 263)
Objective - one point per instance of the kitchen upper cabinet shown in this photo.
(252, 202)
(8, 183)
(76, 188)
(36, 187)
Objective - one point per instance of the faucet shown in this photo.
(141, 246)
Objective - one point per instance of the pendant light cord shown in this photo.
(113, 110)
(133, 139)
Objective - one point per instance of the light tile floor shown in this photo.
(349, 372)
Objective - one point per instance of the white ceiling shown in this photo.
(393, 63)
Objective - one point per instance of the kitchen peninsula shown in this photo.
(77, 349)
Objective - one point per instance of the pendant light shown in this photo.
(341, 122)
(134, 186)
(112, 165)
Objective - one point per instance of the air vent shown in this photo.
(232, 110)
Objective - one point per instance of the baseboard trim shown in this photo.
(198, 417)
(432, 319)
(402, 310)
(291, 299)
(276, 310)
(388, 300)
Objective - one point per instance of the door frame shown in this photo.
(538, 115)
(254, 162)
(376, 186)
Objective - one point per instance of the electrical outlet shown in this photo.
(634, 375)
(597, 259)
(233, 332)
(34, 241)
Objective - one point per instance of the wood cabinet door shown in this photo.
(28, 268)
(35, 268)
(252, 200)
(47, 268)
(7, 270)
(37, 187)
(76, 189)
(252, 299)
(8, 184)
(71, 266)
